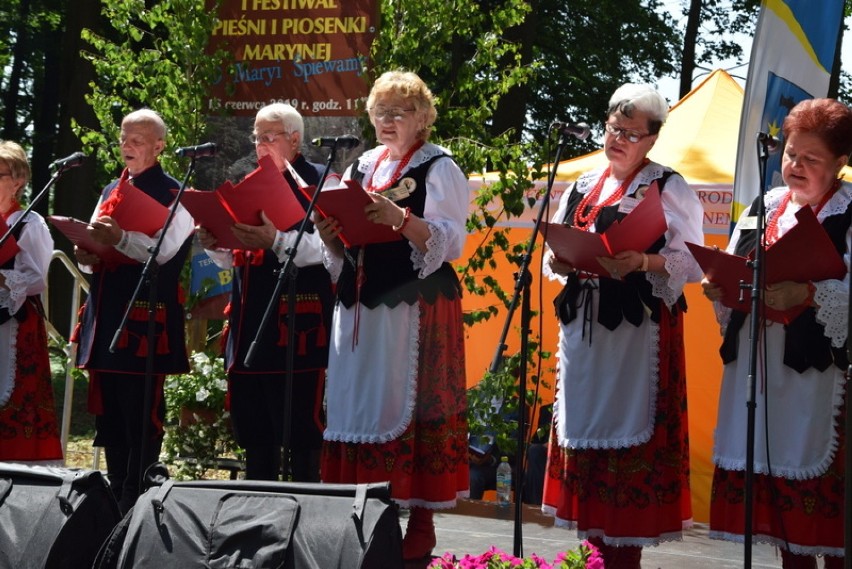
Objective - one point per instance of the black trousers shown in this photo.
(119, 430)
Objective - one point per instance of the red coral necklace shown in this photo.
(583, 220)
(399, 168)
(771, 234)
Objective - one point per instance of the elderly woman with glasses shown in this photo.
(396, 372)
(618, 464)
(28, 427)
(257, 392)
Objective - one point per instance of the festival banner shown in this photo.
(791, 60)
(310, 53)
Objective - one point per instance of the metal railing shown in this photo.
(81, 285)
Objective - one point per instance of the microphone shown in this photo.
(769, 142)
(579, 130)
(199, 151)
(71, 161)
(346, 141)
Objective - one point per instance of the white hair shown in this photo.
(631, 97)
(147, 117)
(285, 114)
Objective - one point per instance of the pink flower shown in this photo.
(585, 557)
(594, 560)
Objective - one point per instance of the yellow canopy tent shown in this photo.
(699, 139)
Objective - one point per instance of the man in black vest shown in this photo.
(257, 391)
(118, 378)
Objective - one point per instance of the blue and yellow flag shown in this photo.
(791, 59)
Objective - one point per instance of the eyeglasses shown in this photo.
(394, 113)
(134, 141)
(266, 137)
(632, 136)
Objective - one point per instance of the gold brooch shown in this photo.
(404, 189)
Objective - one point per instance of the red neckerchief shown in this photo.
(109, 205)
(244, 258)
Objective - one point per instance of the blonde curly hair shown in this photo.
(409, 86)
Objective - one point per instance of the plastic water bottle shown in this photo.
(504, 483)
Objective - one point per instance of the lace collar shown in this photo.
(837, 205)
(652, 171)
(367, 161)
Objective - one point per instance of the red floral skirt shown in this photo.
(428, 464)
(803, 516)
(28, 426)
(637, 495)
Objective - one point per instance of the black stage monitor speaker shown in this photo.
(53, 518)
(252, 524)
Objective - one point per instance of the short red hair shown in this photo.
(828, 119)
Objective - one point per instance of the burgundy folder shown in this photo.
(134, 210)
(346, 203)
(804, 253)
(636, 232)
(264, 189)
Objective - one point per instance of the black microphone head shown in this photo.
(770, 143)
(70, 161)
(345, 141)
(199, 151)
(581, 130)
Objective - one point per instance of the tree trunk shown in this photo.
(76, 192)
(511, 111)
(46, 91)
(20, 53)
(690, 36)
(834, 81)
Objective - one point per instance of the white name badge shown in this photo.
(627, 204)
(747, 222)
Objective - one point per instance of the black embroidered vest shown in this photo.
(110, 292)
(21, 314)
(805, 342)
(627, 299)
(390, 276)
(252, 288)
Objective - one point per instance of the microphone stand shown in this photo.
(522, 291)
(754, 342)
(18, 222)
(847, 483)
(150, 272)
(288, 272)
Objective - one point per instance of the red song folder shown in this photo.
(636, 232)
(264, 189)
(346, 203)
(10, 247)
(131, 208)
(78, 232)
(804, 253)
